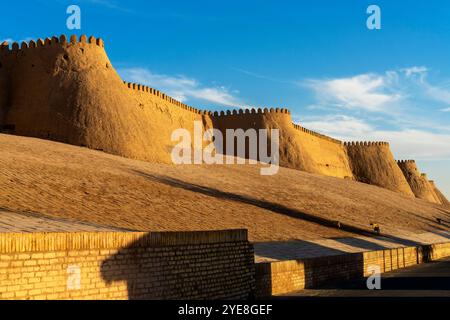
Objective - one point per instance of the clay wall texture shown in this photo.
(65, 89)
(418, 182)
(442, 199)
(373, 163)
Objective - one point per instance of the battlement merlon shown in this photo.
(164, 96)
(406, 161)
(314, 133)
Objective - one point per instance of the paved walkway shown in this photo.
(266, 251)
(33, 222)
(292, 250)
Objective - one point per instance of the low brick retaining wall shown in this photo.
(274, 278)
(124, 265)
(173, 265)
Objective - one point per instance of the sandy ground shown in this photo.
(58, 180)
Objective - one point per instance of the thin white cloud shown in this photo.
(387, 93)
(341, 125)
(437, 93)
(180, 87)
(109, 4)
(421, 87)
(261, 76)
(445, 110)
(414, 70)
(368, 92)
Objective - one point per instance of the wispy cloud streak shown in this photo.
(181, 87)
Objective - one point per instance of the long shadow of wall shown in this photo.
(274, 207)
(290, 250)
(190, 265)
(267, 205)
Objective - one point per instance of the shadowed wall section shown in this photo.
(67, 90)
(4, 80)
(126, 265)
(439, 194)
(373, 163)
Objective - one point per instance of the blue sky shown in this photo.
(316, 58)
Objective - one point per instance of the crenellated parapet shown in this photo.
(49, 42)
(164, 96)
(314, 133)
(254, 111)
(365, 143)
(161, 95)
(407, 165)
(406, 161)
(439, 196)
(216, 114)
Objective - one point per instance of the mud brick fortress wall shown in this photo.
(273, 278)
(67, 90)
(177, 265)
(419, 183)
